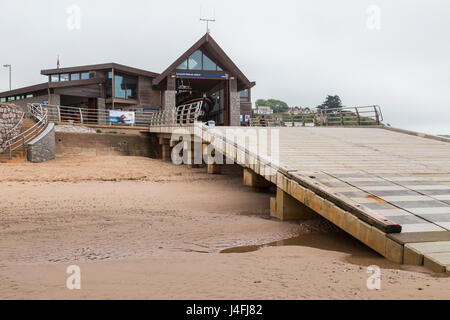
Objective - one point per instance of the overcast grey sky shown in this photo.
(296, 51)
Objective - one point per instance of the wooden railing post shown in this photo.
(358, 118)
(377, 117)
(342, 117)
(58, 109)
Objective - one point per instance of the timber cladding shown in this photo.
(89, 91)
(148, 97)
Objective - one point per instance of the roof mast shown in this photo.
(207, 21)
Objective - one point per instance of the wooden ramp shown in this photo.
(387, 188)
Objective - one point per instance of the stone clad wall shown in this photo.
(10, 115)
(235, 104)
(43, 147)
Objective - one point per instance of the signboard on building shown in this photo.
(201, 74)
(122, 117)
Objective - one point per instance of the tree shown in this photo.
(278, 106)
(331, 102)
(260, 102)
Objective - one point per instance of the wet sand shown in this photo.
(144, 229)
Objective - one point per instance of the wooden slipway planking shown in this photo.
(388, 188)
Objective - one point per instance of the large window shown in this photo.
(75, 76)
(245, 95)
(199, 61)
(125, 86)
(64, 77)
(54, 78)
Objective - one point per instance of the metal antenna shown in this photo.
(207, 20)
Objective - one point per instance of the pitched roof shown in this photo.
(103, 66)
(210, 47)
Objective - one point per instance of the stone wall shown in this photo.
(235, 104)
(102, 144)
(43, 147)
(169, 100)
(10, 115)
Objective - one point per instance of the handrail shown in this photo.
(86, 116)
(344, 116)
(22, 139)
(184, 115)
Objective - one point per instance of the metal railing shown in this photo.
(183, 115)
(345, 116)
(284, 120)
(91, 116)
(21, 140)
(351, 116)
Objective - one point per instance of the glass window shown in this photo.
(119, 87)
(18, 98)
(29, 96)
(208, 64)
(131, 85)
(244, 95)
(75, 76)
(125, 86)
(2, 99)
(85, 75)
(219, 68)
(64, 77)
(195, 61)
(54, 78)
(109, 85)
(11, 98)
(183, 65)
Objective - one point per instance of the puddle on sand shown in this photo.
(359, 254)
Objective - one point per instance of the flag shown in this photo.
(57, 63)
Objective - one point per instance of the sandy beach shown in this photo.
(140, 228)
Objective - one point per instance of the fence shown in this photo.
(188, 113)
(346, 116)
(87, 116)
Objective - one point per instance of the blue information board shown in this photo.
(200, 74)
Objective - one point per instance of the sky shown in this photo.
(395, 54)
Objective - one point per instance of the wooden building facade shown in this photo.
(203, 70)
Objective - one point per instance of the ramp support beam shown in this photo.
(252, 179)
(285, 207)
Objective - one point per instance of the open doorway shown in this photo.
(212, 91)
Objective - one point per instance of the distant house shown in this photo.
(263, 110)
(299, 110)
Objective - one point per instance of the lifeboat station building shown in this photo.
(203, 70)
